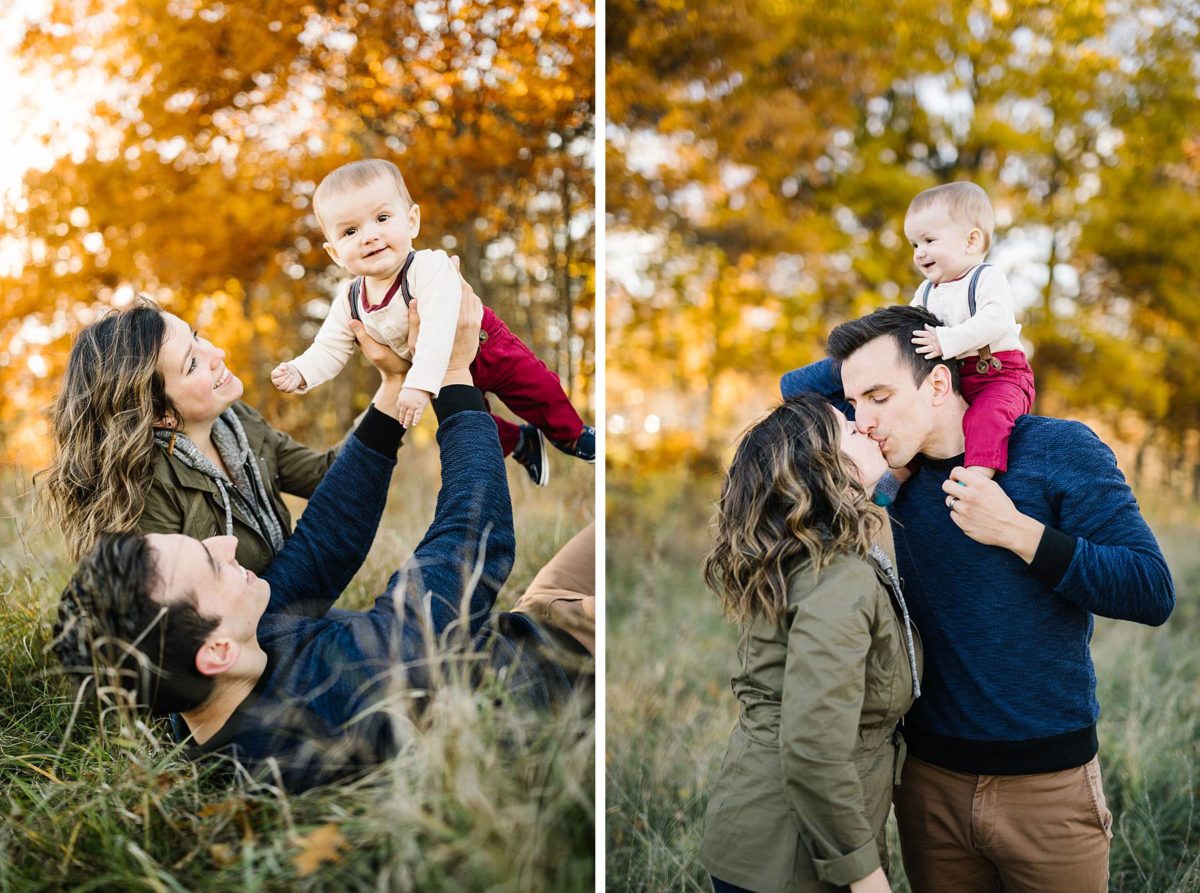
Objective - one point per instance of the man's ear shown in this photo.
(217, 656)
(414, 220)
(333, 253)
(939, 383)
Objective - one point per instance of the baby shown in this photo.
(950, 230)
(369, 221)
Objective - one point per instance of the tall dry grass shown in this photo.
(669, 710)
(481, 796)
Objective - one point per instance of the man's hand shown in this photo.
(287, 378)
(927, 343)
(983, 511)
(410, 405)
(466, 334)
(389, 363)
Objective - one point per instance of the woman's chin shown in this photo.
(232, 390)
(871, 481)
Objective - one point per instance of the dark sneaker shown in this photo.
(531, 453)
(584, 446)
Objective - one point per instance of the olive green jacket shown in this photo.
(184, 500)
(803, 794)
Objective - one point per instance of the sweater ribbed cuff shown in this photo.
(379, 432)
(457, 398)
(886, 490)
(1053, 556)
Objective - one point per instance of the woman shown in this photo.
(150, 433)
(829, 661)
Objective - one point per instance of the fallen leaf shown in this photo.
(225, 807)
(323, 845)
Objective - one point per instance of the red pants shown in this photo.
(507, 368)
(997, 398)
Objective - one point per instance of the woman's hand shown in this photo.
(983, 511)
(875, 882)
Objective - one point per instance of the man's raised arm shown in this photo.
(821, 378)
(466, 555)
(338, 526)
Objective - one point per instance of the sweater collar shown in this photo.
(232, 726)
(943, 464)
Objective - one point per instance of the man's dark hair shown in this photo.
(899, 323)
(110, 632)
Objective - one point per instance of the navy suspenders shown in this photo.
(356, 288)
(985, 352)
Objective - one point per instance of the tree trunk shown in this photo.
(565, 293)
(1139, 462)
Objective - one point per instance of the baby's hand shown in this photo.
(927, 343)
(287, 378)
(411, 404)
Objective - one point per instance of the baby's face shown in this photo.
(943, 248)
(370, 229)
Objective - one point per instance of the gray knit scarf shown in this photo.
(246, 488)
(884, 562)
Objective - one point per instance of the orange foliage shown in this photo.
(218, 120)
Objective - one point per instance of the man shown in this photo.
(259, 668)
(1001, 788)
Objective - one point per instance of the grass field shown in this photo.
(480, 797)
(669, 708)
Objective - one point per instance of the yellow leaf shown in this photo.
(323, 845)
(225, 807)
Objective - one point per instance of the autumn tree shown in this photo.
(785, 141)
(192, 180)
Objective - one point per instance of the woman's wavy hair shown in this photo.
(791, 496)
(103, 419)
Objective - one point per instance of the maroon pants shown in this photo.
(507, 368)
(997, 398)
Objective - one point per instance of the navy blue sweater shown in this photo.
(315, 710)
(1009, 686)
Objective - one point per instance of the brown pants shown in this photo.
(1044, 833)
(563, 594)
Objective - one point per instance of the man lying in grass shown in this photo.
(261, 668)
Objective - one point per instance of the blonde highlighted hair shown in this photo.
(966, 203)
(103, 423)
(791, 497)
(356, 175)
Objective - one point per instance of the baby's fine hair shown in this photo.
(966, 202)
(355, 175)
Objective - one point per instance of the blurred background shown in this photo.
(171, 148)
(760, 158)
